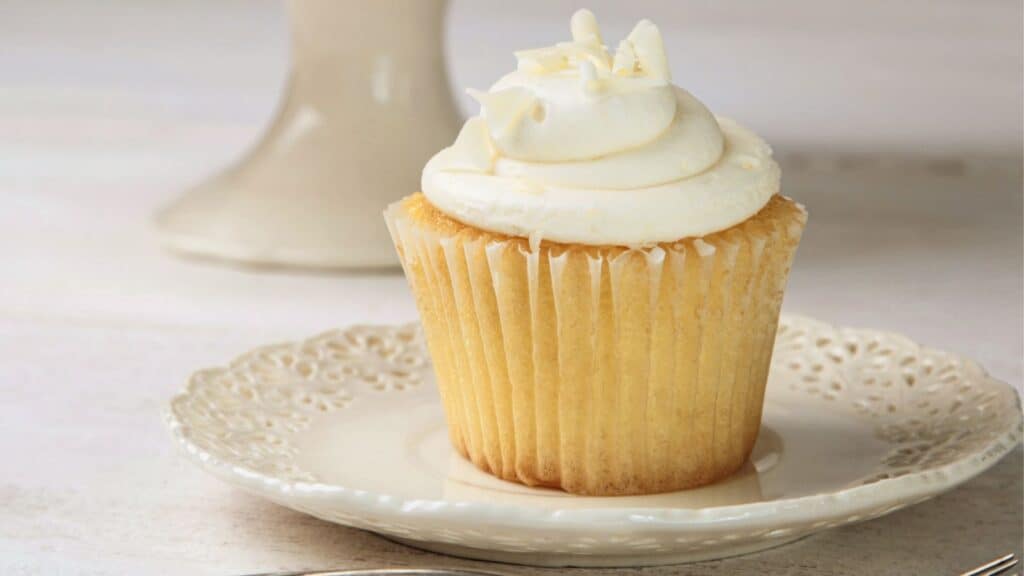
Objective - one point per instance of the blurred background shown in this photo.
(898, 124)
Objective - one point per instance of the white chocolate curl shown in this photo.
(578, 146)
(584, 28)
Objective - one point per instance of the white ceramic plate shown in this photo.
(347, 426)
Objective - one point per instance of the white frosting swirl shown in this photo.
(577, 146)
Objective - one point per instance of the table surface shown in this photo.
(99, 326)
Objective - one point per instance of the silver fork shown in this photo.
(997, 566)
(993, 568)
(387, 572)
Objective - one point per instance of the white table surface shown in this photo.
(99, 326)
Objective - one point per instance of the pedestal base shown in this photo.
(366, 106)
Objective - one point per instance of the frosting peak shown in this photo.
(573, 101)
(609, 132)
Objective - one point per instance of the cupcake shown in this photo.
(599, 263)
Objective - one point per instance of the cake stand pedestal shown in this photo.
(366, 105)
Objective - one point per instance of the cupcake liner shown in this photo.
(600, 370)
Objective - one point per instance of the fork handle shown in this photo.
(384, 572)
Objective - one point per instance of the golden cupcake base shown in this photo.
(600, 370)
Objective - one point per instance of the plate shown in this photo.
(348, 427)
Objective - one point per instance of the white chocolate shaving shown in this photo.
(541, 61)
(504, 110)
(588, 77)
(625, 59)
(650, 50)
(583, 26)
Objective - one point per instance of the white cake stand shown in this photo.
(366, 105)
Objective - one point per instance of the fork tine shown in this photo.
(997, 566)
(1001, 568)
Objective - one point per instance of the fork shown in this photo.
(993, 568)
(997, 566)
(387, 572)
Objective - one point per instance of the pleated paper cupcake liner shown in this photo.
(600, 370)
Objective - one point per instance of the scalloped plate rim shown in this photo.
(898, 492)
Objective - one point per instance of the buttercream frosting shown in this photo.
(580, 146)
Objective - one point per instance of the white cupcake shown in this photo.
(599, 264)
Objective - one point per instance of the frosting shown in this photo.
(577, 145)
